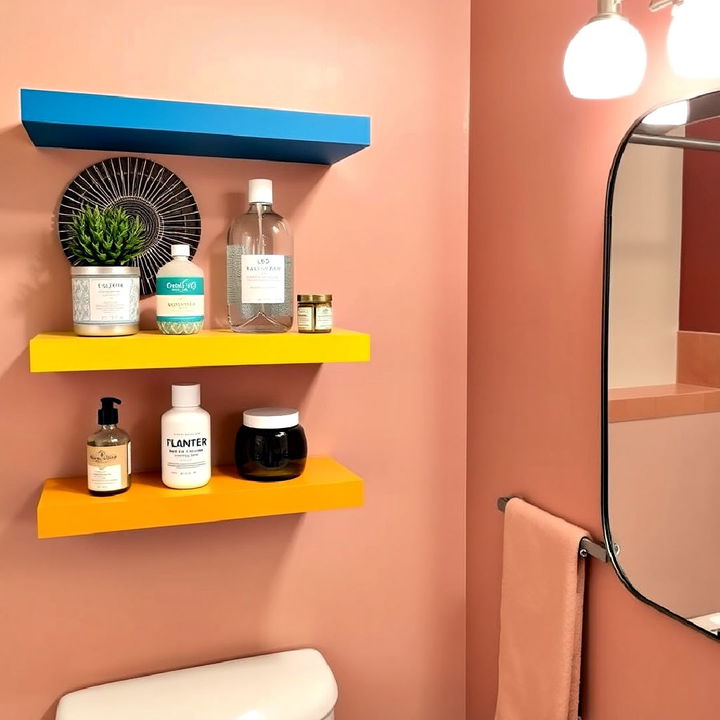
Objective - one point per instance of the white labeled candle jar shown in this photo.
(105, 300)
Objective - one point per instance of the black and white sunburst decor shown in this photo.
(146, 189)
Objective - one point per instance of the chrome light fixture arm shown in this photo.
(657, 5)
(609, 7)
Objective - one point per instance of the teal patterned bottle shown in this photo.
(180, 295)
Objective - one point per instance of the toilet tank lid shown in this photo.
(293, 685)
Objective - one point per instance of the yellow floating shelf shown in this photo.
(66, 352)
(66, 508)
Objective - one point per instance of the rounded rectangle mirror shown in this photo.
(661, 365)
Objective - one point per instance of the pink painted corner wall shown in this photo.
(380, 590)
(538, 172)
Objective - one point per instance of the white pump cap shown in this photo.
(260, 191)
(180, 250)
(186, 395)
(271, 418)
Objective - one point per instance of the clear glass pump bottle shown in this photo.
(260, 266)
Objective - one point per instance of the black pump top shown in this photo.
(108, 414)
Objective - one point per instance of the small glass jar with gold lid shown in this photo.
(314, 313)
(323, 313)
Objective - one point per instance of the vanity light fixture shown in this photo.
(692, 44)
(607, 58)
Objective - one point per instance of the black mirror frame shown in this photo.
(699, 107)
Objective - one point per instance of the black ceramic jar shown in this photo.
(270, 445)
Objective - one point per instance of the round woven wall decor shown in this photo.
(159, 198)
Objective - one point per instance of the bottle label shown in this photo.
(323, 317)
(107, 467)
(186, 457)
(262, 279)
(181, 299)
(305, 319)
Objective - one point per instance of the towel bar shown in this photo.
(587, 546)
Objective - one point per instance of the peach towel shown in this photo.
(543, 586)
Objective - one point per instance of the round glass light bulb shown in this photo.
(606, 59)
(669, 115)
(692, 41)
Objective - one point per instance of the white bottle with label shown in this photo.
(185, 431)
(180, 294)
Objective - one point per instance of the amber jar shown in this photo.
(323, 313)
(314, 313)
(270, 445)
(305, 314)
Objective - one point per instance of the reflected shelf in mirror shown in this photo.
(658, 401)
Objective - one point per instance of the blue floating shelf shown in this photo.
(109, 122)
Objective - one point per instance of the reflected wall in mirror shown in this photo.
(661, 460)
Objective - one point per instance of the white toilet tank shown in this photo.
(293, 685)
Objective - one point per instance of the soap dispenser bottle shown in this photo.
(260, 266)
(108, 453)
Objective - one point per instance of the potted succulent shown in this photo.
(105, 288)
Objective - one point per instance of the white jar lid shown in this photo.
(271, 418)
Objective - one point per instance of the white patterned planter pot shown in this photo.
(105, 300)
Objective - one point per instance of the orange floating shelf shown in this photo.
(66, 509)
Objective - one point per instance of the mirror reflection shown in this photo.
(663, 364)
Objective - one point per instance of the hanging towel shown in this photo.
(540, 617)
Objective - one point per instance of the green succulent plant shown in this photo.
(105, 237)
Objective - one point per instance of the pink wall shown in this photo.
(664, 496)
(380, 590)
(539, 167)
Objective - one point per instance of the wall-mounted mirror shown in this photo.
(661, 459)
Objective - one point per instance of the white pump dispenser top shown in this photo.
(260, 190)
